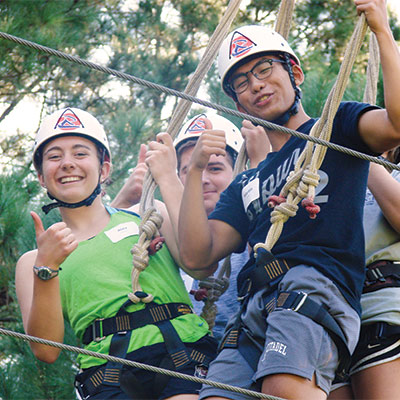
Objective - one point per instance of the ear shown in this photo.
(298, 74)
(105, 171)
(41, 179)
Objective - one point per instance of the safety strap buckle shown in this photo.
(245, 290)
(374, 275)
(98, 326)
(291, 300)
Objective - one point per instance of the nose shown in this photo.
(205, 178)
(255, 84)
(67, 163)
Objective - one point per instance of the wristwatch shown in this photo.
(45, 273)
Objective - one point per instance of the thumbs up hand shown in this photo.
(54, 244)
(211, 142)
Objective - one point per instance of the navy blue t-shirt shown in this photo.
(333, 242)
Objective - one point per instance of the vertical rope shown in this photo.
(140, 261)
(284, 18)
(282, 26)
(303, 180)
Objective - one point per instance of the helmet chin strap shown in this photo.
(293, 110)
(58, 203)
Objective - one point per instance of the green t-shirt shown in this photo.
(96, 279)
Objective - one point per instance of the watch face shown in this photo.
(44, 273)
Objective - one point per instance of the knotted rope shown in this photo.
(302, 181)
(148, 230)
(147, 199)
(213, 288)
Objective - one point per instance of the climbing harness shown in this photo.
(121, 327)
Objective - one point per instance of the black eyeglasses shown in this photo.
(262, 70)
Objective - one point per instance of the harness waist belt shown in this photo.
(375, 332)
(152, 314)
(382, 274)
(267, 268)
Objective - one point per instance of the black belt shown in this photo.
(266, 269)
(375, 332)
(381, 274)
(152, 314)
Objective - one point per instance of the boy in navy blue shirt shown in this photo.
(300, 306)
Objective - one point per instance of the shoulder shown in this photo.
(27, 258)
(354, 109)
(23, 269)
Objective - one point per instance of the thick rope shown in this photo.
(135, 364)
(371, 86)
(303, 180)
(180, 113)
(183, 107)
(217, 286)
(284, 18)
(208, 104)
(148, 229)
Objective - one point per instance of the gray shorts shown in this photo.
(294, 344)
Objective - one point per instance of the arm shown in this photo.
(380, 129)
(386, 191)
(161, 160)
(39, 300)
(203, 242)
(132, 190)
(257, 142)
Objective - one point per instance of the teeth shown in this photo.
(70, 179)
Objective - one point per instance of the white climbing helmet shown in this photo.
(247, 41)
(196, 126)
(66, 122)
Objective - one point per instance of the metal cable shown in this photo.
(172, 92)
(135, 364)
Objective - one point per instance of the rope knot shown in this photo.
(199, 294)
(310, 207)
(155, 245)
(275, 200)
(283, 211)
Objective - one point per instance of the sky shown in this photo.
(31, 109)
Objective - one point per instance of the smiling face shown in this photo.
(216, 177)
(271, 97)
(71, 168)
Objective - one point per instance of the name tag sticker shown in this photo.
(122, 231)
(251, 192)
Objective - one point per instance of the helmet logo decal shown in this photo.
(197, 126)
(68, 121)
(240, 45)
